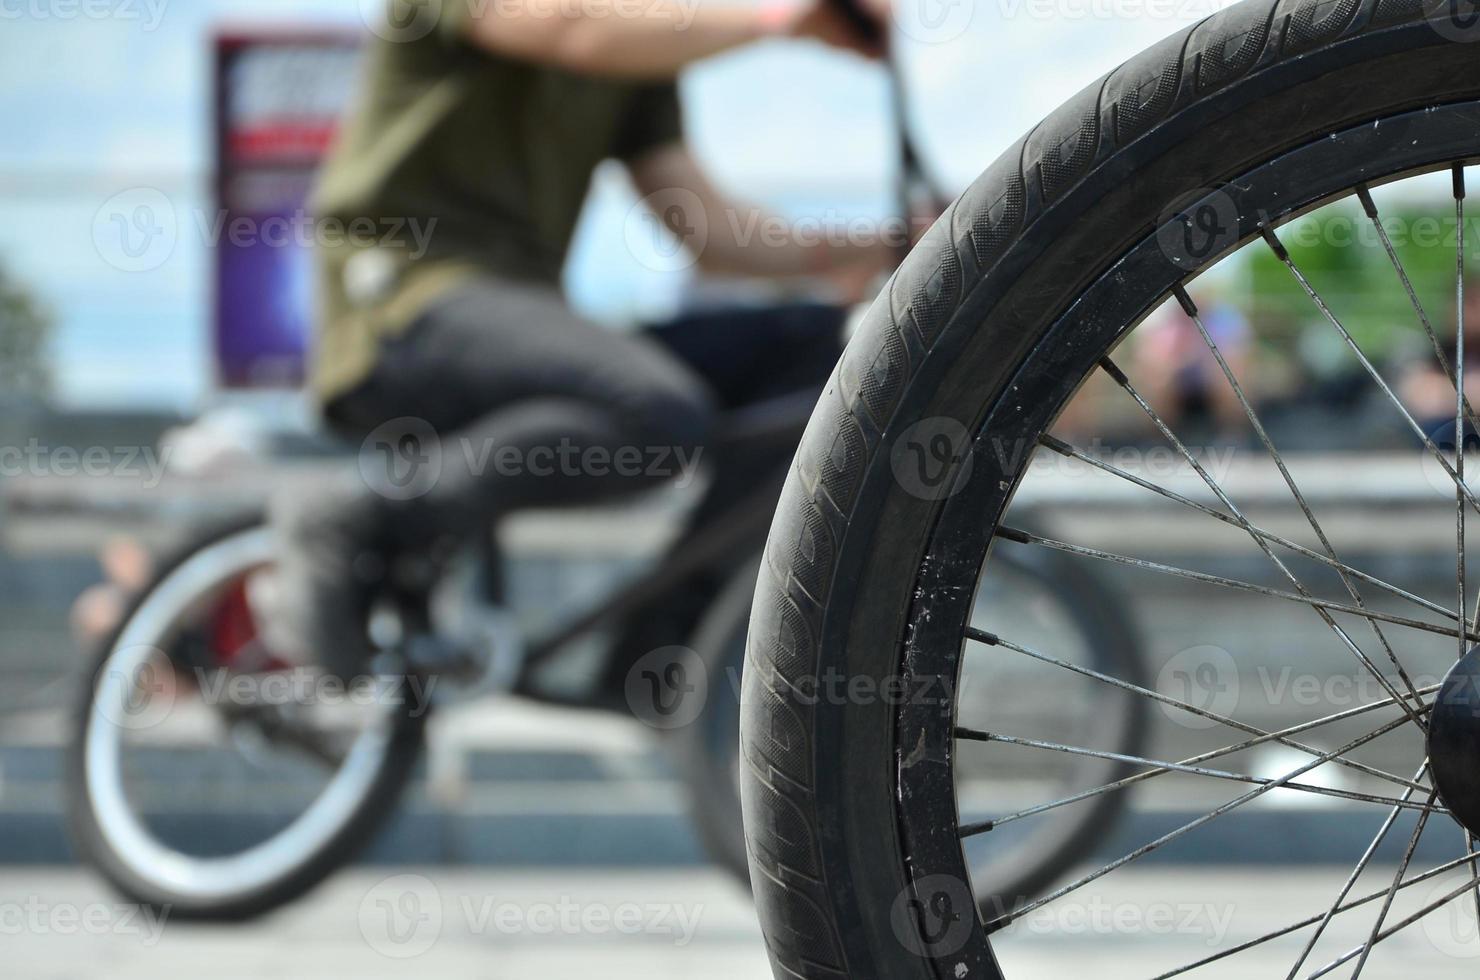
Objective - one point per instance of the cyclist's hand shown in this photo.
(821, 20)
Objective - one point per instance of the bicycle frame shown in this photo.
(742, 528)
(777, 424)
(771, 429)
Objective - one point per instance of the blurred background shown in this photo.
(149, 368)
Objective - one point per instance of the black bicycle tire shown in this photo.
(406, 744)
(1049, 217)
(707, 755)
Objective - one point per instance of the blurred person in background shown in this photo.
(1427, 391)
(126, 568)
(1181, 379)
(490, 126)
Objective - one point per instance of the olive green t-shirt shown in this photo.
(456, 162)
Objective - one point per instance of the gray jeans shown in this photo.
(515, 402)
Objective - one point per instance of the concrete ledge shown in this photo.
(663, 837)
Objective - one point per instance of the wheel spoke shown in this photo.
(991, 639)
(1378, 935)
(1370, 207)
(1432, 907)
(1190, 309)
(1474, 868)
(1280, 736)
(1427, 909)
(1025, 537)
(1284, 256)
(1461, 406)
(1387, 903)
(976, 735)
(1187, 828)
(1119, 376)
(1367, 899)
(1351, 882)
(1072, 452)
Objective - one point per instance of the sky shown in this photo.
(98, 97)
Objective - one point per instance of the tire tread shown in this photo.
(844, 442)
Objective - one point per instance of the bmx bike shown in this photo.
(186, 700)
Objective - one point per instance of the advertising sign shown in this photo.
(279, 97)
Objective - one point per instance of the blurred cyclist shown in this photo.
(490, 125)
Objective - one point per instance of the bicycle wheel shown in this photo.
(211, 779)
(1057, 604)
(708, 755)
(906, 490)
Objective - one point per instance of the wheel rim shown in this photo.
(940, 622)
(123, 829)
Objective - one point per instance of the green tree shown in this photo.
(25, 331)
(1338, 249)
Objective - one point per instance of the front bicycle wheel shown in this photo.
(1019, 350)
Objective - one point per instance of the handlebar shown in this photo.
(866, 25)
(915, 185)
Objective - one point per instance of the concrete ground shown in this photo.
(410, 923)
(489, 871)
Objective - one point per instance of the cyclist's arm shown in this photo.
(736, 238)
(598, 37)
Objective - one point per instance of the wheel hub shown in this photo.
(1454, 741)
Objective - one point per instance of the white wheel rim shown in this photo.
(126, 835)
